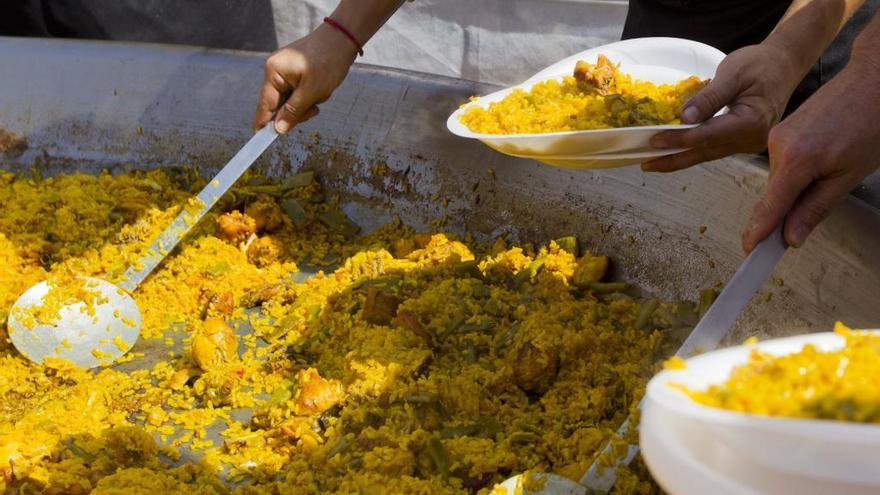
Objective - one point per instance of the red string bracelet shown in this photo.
(347, 34)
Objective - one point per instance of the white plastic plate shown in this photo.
(659, 60)
(694, 449)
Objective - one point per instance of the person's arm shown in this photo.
(824, 149)
(755, 83)
(306, 72)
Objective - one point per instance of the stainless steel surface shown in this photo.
(68, 106)
(207, 198)
(709, 332)
(123, 106)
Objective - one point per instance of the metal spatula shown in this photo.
(101, 334)
(708, 333)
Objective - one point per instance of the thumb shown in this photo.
(296, 109)
(703, 105)
(813, 207)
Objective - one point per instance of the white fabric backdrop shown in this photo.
(498, 41)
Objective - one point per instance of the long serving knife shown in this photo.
(708, 333)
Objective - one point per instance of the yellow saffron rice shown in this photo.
(597, 96)
(414, 363)
(811, 384)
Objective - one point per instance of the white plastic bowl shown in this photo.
(694, 449)
(659, 60)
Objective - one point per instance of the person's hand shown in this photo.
(302, 75)
(819, 154)
(755, 84)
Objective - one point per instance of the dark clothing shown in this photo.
(244, 25)
(731, 24)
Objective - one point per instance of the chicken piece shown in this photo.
(267, 215)
(402, 248)
(598, 76)
(535, 368)
(590, 269)
(214, 303)
(235, 226)
(379, 307)
(316, 394)
(265, 251)
(214, 344)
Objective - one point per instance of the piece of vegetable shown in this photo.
(590, 269)
(707, 297)
(569, 244)
(646, 312)
(527, 273)
(535, 368)
(408, 319)
(213, 344)
(439, 455)
(301, 179)
(380, 307)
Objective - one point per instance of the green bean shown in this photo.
(608, 287)
(420, 398)
(486, 427)
(470, 353)
(646, 311)
(527, 273)
(283, 328)
(301, 179)
(386, 281)
(481, 327)
(339, 447)
(480, 291)
(523, 437)
(460, 431)
(279, 396)
(468, 269)
(79, 452)
(707, 297)
(507, 337)
(295, 211)
(439, 455)
(569, 244)
(218, 269)
(455, 323)
(355, 464)
(314, 312)
(336, 220)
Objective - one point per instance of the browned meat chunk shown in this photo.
(379, 307)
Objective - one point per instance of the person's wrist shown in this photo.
(358, 16)
(777, 57)
(336, 41)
